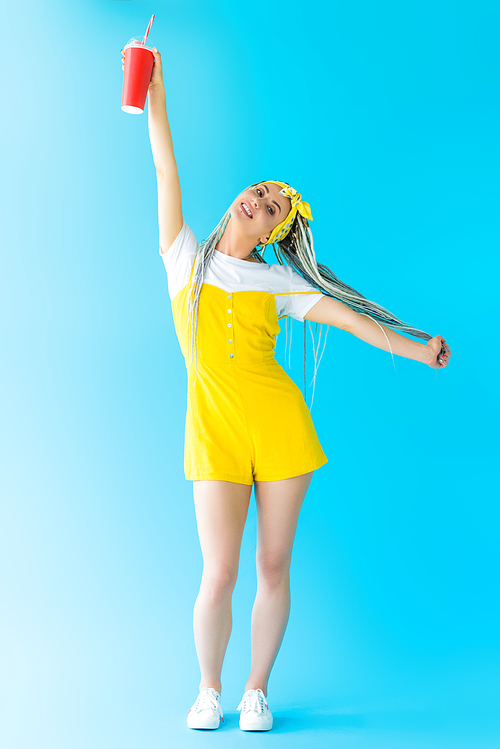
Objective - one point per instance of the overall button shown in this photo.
(229, 310)
(230, 340)
(229, 325)
(231, 356)
(229, 296)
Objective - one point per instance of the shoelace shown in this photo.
(206, 700)
(252, 700)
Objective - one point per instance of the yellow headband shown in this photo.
(298, 205)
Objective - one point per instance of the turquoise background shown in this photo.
(386, 117)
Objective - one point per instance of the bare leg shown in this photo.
(278, 507)
(221, 511)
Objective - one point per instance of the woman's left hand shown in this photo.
(439, 353)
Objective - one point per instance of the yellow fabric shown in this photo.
(298, 206)
(246, 419)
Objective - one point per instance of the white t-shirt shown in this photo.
(234, 274)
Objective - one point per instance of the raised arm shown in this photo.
(170, 217)
(333, 312)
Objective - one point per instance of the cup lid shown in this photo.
(134, 42)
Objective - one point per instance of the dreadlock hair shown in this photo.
(297, 250)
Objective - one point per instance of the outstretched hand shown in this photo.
(439, 352)
(156, 73)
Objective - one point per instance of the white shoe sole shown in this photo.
(191, 725)
(255, 726)
(201, 722)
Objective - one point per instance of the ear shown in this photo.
(262, 241)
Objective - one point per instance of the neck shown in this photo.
(235, 245)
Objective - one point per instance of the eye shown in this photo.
(271, 210)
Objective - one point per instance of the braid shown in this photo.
(297, 250)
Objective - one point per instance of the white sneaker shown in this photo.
(255, 714)
(206, 711)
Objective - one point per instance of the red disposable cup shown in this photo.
(137, 69)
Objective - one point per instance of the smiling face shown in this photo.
(259, 209)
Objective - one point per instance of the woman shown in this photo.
(247, 423)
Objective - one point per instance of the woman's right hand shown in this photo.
(156, 73)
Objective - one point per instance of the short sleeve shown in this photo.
(301, 297)
(179, 258)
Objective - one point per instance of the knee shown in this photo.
(219, 582)
(273, 569)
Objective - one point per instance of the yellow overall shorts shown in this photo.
(246, 419)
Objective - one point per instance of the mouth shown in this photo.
(246, 210)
